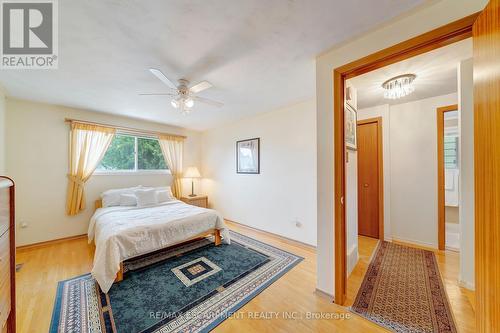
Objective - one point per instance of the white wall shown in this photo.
(413, 139)
(423, 19)
(285, 190)
(3, 146)
(466, 161)
(410, 161)
(37, 160)
(351, 197)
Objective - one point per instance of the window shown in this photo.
(132, 154)
(451, 151)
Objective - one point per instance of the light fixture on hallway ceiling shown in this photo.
(183, 95)
(399, 86)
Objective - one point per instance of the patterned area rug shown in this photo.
(402, 291)
(190, 288)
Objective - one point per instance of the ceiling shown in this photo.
(259, 55)
(436, 75)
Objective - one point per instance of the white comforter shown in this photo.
(121, 233)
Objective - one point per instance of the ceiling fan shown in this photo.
(183, 95)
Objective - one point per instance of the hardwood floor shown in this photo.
(366, 247)
(294, 293)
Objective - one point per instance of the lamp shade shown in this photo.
(192, 172)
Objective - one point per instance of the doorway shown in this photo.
(482, 26)
(370, 178)
(446, 35)
(448, 178)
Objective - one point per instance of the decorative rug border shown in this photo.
(220, 317)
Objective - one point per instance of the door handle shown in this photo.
(365, 185)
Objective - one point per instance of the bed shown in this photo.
(124, 232)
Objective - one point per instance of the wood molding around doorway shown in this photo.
(380, 162)
(440, 174)
(445, 35)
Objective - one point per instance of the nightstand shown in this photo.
(199, 200)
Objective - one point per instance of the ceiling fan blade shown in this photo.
(208, 101)
(157, 94)
(203, 85)
(162, 77)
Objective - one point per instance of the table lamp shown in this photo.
(192, 172)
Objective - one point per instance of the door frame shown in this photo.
(380, 166)
(440, 174)
(445, 35)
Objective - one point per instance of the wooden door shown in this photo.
(486, 41)
(368, 179)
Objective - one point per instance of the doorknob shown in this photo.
(365, 185)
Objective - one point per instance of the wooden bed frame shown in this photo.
(214, 232)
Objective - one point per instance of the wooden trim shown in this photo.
(486, 34)
(445, 35)
(339, 186)
(124, 129)
(98, 203)
(50, 242)
(380, 162)
(11, 320)
(440, 174)
(434, 39)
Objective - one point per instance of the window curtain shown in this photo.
(88, 144)
(172, 147)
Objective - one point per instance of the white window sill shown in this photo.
(132, 173)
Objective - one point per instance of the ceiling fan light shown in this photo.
(189, 103)
(399, 86)
(175, 103)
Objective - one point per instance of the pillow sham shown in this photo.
(128, 200)
(146, 197)
(111, 198)
(165, 196)
(166, 188)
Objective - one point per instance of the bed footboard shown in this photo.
(217, 242)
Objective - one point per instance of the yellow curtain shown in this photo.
(172, 147)
(88, 144)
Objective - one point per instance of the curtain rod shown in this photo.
(123, 128)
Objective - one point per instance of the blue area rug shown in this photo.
(190, 288)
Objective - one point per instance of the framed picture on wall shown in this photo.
(351, 119)
(248, 156)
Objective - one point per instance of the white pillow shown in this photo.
(146, 197)
(165, 196)
(112, 197)
(128, 200)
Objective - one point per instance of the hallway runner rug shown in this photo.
(188, 288)
(403, 292)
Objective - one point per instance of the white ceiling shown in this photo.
(436, 75)
(258, 54)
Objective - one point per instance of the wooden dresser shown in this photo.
(199, 200)
(7, 257)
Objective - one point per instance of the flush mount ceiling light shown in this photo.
(399, 86)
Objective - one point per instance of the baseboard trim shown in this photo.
(50, 242)
(352, 258)
(466, 285)
(324, 294)
(414, 243)
(296, 242)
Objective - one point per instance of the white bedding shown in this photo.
(122, 233)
